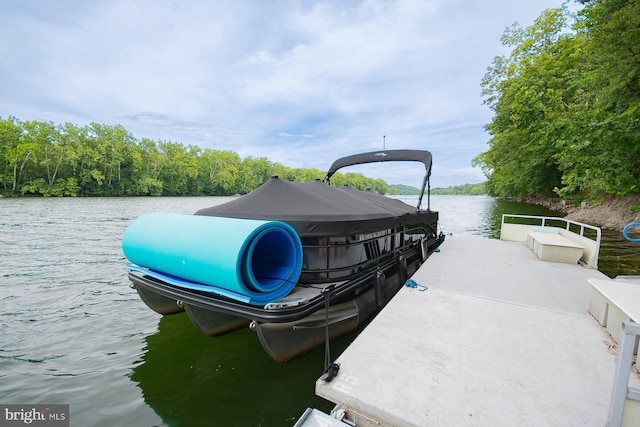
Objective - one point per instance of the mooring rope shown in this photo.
(330, 369)
(613, 349)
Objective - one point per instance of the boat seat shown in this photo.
(614, 302)
(549, 245)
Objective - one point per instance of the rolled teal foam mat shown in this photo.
(255, 260)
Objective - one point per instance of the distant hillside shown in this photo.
(461, 190)
(456, 190)
(404, 190)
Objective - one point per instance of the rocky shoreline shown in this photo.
(611, 213)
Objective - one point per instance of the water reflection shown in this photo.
(493, 221)
(480, 215)
(618, 256)
(191, 379)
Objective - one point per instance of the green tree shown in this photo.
(148, 162)
(252, 174)
(13, 160)
(567, 105)
(178, 169)
(218, 171)
(79, 157)
(601, 151)
(29, 154)
(284, 172)
(527, 92)
(113, 146)
(306, 175)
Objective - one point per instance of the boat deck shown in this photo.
(498, 338)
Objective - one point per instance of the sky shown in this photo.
(300, 82)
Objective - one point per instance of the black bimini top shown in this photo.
(317, 209)
(421, 156)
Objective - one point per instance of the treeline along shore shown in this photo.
(44, 159)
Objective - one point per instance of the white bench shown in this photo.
(613, 302)
(551, 246)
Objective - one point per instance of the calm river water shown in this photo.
(73, 332)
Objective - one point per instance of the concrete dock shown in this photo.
(498, 338)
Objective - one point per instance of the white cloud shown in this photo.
(299, 82)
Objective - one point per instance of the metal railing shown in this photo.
(544, 220)
(621, 390)
(527, 222)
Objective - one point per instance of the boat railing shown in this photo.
(330, 260)
(621, 392)
(515, 228)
